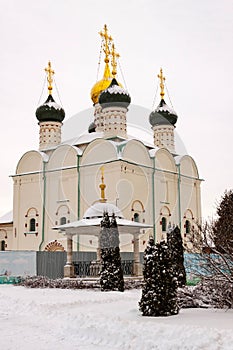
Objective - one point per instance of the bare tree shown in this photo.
(213, 263)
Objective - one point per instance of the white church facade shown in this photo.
(147, 180)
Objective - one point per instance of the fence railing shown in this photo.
(93, 268)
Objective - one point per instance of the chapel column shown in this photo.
(136, 255)
(69, 267)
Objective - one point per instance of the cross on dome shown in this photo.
(107, 42)
(115, 56)
(162, 79)
(50, 74)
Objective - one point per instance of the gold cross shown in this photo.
(107, 41)
(162, 79)
(50, 74)
(115, 56)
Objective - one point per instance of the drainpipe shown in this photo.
(43, 208)
(179, 203)
(78, 213)
(153, 199)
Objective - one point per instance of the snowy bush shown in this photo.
(175, 245)
(111, 275)
(159, 293)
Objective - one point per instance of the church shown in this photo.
(143, 181)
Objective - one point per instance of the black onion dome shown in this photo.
(163, 115)
(114, 95)
(92, 127)
(50, 111)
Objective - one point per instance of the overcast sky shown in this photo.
(191, 40)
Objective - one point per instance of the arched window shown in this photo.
(164, 224)
(136, 217)
(3, 245)
(63, 220)
(187, 226)
(32, 225)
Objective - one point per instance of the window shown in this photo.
(164, 224)
(136, 217)
(3, 245)
(63, 220)
(187, 226)
(32, 225)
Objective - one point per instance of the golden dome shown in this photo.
(101, 85)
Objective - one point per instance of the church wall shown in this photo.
(138, 179)
(125, 183)
(6, 236)
(99, 153)
(190, 198)
(61, 192)
(28, 202)
(61, 203)
(166, 193)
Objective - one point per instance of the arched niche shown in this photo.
(31, 161)
(63, 156)
(188, 166)
(164, 160)
(135, 152)
(99, 151)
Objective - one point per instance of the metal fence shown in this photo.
(51, 264)
(92, 268)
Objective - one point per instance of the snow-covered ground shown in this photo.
(59, 319)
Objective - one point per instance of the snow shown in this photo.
(115, 89)
(54, 105)
(82, 319)
(97, 210)
(7, 218)
(165, 108)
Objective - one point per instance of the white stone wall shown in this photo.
(130, 178)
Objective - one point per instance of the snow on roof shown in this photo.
(135, 132)
(7, 218)
(54, 105)
(165, 108)
(116, 89)
(97, 210)
(83, 138)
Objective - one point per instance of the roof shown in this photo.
(92, 227)
(134, 132)
(7, 218)
(97, 210)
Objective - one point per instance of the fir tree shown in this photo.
(159, 293)
(223, 225)
(175, 245)
(111, 275)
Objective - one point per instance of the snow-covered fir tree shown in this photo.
(159, 293)
(223, 225)
(175, 245)
(111, 275)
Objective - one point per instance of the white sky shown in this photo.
(191, 40)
